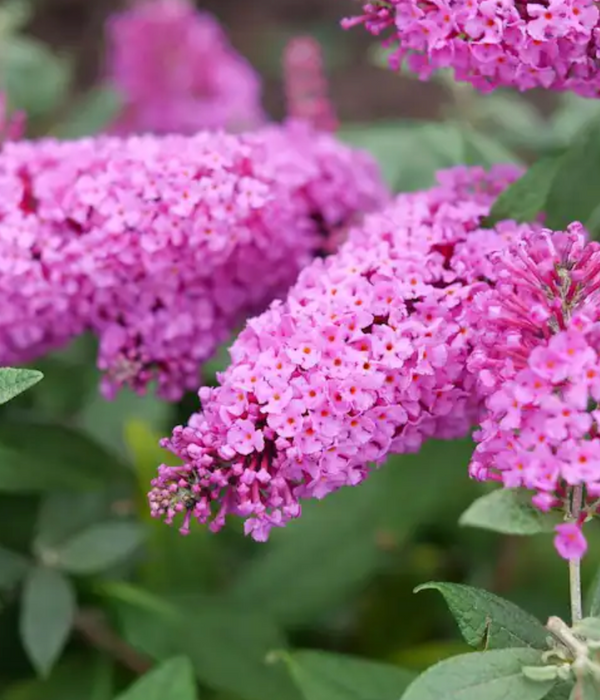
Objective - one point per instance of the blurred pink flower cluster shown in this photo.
(177, 71)
(161, 245)
(368, 355)
(554, 44)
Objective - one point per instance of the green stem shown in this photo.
(575, 564)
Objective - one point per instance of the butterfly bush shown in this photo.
(537, 358)
(161, 245)
(552, 44)
(177, 71)
(367, 356)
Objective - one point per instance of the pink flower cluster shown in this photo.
(177, 71)
(537, 357)
(553, 44)
(367, 355)
(161, 245)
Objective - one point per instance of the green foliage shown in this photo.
(508, 511)
(35, 79)
(99, 547)
(526, 198)
(13, 568)
(40, 457)
(323, 676)
(228, 647)
(564, 187)
(410, 153)
(81, 676)
(586, 688)
(47, 613)
(488, 621)
(15, 381)
(344, 534)
(593, 602)
(573, 194)
(493, 675)
(173, 679)
(92, 113)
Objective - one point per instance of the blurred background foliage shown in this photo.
(92, 591)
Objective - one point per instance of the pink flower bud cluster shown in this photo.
(12, 126)
(538, 359)
(161, 245)
(553, 44)
(177, 71)
(367, 356)
(307, 89)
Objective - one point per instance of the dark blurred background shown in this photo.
(259, 29)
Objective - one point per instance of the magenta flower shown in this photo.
(537, 345)
(368, 355)
(177, 72)
(569, 541)
(493, 43)
(160, 246)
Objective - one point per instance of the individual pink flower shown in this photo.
(493, 43)
(177, 72)
(569, 541)
(160, 246)
(376, 364)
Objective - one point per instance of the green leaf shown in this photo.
(589, 628)
(12, 568)
(485, 619)
(227, 646)
(324, 676)
(572, 116)
(104, 420)
(87, 676)
(508, 511)
(172, 563)
(344, 533)
(593, 607)
(92, 114)
(47, 612)
(62, 516)
(487, 675)
(561, 691)
(14, 14)
(586, 688)
(36, 80)
(526, 198)
(38, 457)
(574, 192)
(173, 679)
(478, 149)
(99, 547)
(15, 381)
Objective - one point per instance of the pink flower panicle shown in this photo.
(177, 72)
(368, 355)
(162, 245)
(552, 44)
(537, 359)
(307, 89)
